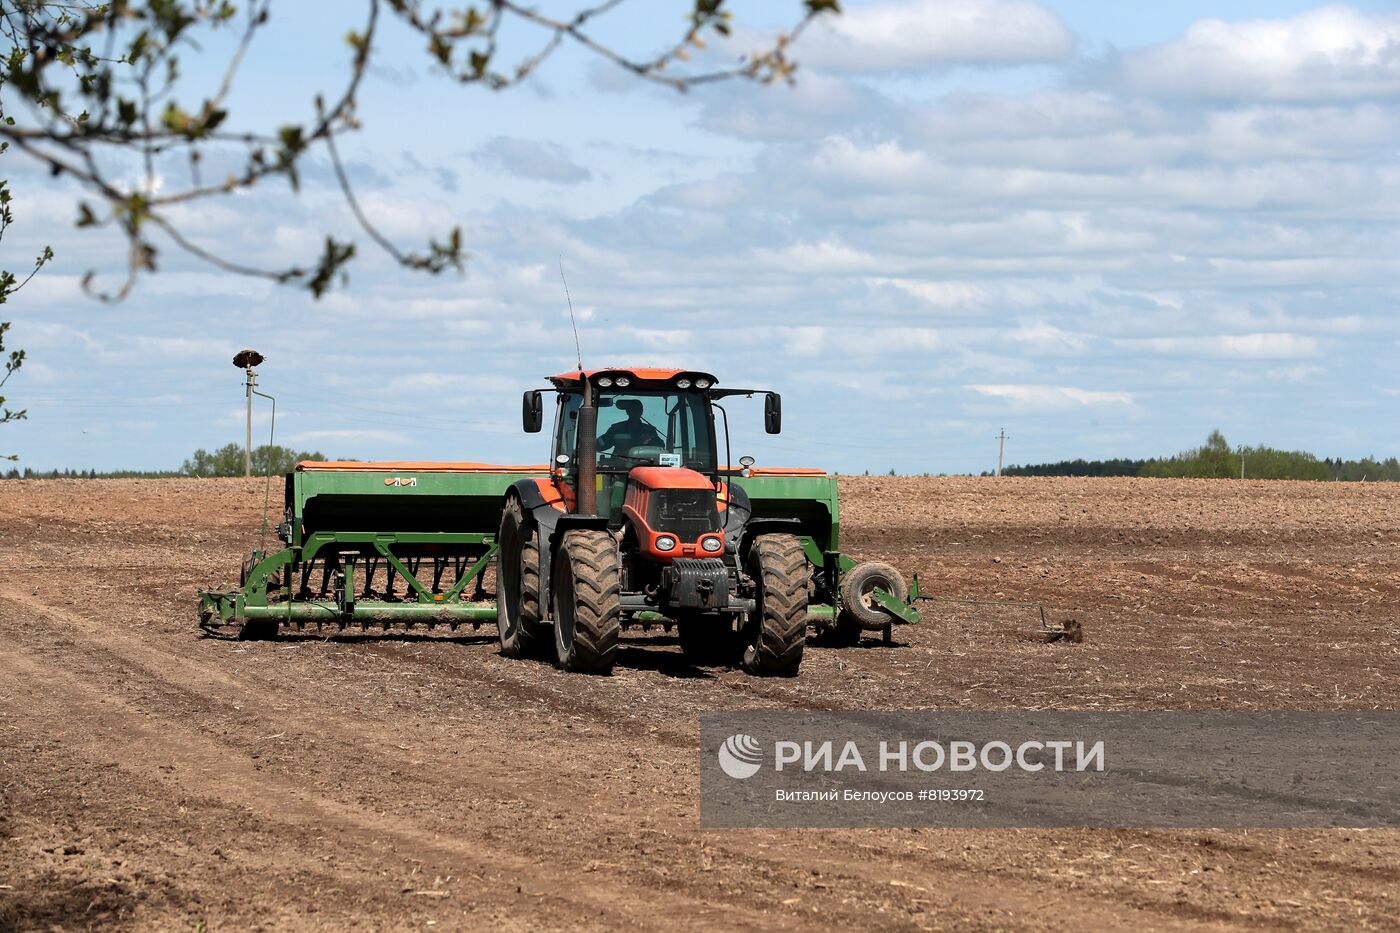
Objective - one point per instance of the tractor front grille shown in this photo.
(685, 513)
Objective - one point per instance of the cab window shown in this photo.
(642, 428)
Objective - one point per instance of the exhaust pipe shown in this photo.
(586, 452)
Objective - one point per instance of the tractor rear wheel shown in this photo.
(857, 587)
(518, 583)
(587, 598)
(775, 632)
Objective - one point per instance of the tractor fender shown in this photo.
(550, 523)
(735, 517)
(764, 526)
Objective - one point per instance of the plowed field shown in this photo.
(152, 778)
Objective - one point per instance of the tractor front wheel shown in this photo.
(587, 600)
(775, 632)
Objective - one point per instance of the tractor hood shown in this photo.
(659, 477)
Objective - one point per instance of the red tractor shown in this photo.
(638, 523)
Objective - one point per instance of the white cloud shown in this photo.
(349, 434)
(923, 34)
(1328, 53)
(531, 159)
(1043, 337)
(1044, 396)
(1237, 346)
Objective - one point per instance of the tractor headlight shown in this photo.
(665, 543)
(702, 383)
(607, 381)
(624, 381)
(711, 545)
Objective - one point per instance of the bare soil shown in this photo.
(152, 778)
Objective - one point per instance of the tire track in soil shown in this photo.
(206, 761)
(103, 728)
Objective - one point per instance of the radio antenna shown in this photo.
(572, 320)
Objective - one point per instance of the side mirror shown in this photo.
(773, 413)
(532, 411)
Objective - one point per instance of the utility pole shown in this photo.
(248, 424)
(246, 360)
(1001, 449)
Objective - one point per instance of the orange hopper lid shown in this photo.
(414, 466)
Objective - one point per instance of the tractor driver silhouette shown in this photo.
(634, 432)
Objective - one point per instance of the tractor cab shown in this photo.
(655, 430)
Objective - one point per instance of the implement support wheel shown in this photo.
(518, 584)
(587, 597)
(775, 633)
(856, 587)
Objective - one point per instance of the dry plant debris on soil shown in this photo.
(154, 779)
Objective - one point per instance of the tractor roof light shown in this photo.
(606, 381)
(702, 383)
(623, 381)
(682, 383)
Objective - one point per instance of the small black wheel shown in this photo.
(587, 598)
(774, 634)
(857, 587)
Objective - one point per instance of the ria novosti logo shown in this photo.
(740, 756)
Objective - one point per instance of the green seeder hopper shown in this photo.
(633, 524)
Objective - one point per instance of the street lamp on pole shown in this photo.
(246, 360)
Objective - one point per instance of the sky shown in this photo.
(1105, 228)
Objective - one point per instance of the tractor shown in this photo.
(635, 522)
(638, 522)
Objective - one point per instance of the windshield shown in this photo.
(643, 428)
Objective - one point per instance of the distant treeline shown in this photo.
(28, 473)
(1217, 459)
(1118, 467)
(226, 461)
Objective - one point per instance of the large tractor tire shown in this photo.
(587, 596)
(776, 631)
(518, 584)
(860, 610)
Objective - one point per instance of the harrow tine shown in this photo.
(371, 565)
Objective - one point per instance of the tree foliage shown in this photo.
(1213, 459)
(103, 83)
(9, 281)
(1080, 467)
(11, 364)
(1216, 459)
(228, 461)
